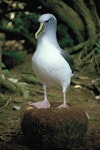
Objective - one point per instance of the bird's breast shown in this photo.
(50, 67)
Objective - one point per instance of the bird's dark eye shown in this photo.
(47, 21)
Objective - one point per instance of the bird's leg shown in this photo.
(64, 105)
(45, 103)
(42, 104)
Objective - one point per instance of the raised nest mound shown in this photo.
(54, 128)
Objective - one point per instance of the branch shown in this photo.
(94, 14)
(8, 85)
(82, 9)
(87, 45)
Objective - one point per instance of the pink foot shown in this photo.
(63, 106)
(42, 104)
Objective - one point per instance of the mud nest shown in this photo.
(54, 128)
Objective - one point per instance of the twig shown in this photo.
(88, 115)
(6, 104)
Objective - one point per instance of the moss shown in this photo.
(54, 128)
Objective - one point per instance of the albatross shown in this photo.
(51, 65)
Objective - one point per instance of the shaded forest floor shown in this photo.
(11, 137)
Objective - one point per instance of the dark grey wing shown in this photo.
(68, 58)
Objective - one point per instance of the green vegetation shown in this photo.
(26, 23)
(4, 70)
(98, 48)
(64, 37)
(11, 59)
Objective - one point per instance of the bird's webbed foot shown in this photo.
(63, 106)
(42, 104)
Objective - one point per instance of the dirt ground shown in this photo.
(11, 136)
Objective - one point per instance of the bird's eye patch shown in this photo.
(47, 21)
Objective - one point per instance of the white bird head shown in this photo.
(48, 24)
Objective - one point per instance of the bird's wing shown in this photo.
(68, 59)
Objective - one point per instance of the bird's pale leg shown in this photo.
(45, 102)
(42, 104)
(64, 105)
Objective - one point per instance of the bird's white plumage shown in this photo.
(48, 64)
(46, 17)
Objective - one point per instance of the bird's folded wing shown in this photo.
(68, 59)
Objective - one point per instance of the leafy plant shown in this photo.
(13, 58)
(4, 70)
(26, 23)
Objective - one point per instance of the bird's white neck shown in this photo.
(49, 35)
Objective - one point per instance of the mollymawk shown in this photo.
(52, 65)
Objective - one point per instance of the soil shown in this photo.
(11, 136)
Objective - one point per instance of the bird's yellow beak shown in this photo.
(40, 30)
